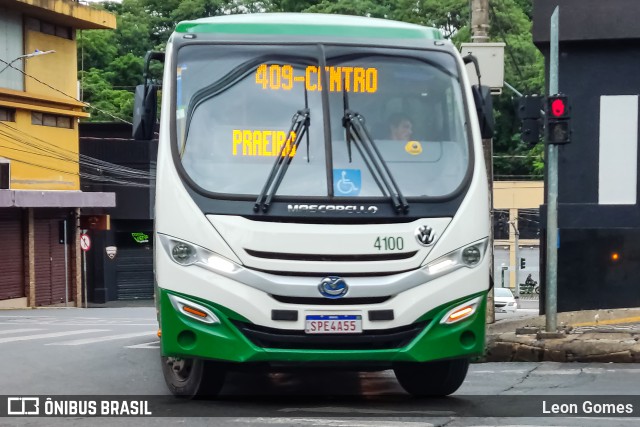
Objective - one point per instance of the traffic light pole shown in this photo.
(551, 288)
(517, 253)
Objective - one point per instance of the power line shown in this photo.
(120, 174)
(83, 159)
(91, 177)
(86, 104)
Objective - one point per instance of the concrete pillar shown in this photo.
(77, 259)
(30, 258)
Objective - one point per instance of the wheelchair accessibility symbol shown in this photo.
(347, 182)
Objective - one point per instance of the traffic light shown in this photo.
(529, 108)
(523, 263)
(558, 119)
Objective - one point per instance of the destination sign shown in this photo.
(339, 79)
(262, 143)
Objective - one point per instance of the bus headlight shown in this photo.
(186, 254)
(183, 253)
(471, 255)
(468, 256)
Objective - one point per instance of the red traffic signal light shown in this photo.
(558, 124)
(558, 107)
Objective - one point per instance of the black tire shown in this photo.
(439, 378)
(192, 378)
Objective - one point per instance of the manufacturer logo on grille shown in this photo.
(333, 287)
(425, 235)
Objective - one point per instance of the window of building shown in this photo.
(501, 224)
(4, 174)
(7, 115)
(529, 223)
(11, 46)
(42, 119)
(36, 24)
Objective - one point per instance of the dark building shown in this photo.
(120, 263)
(598, 212)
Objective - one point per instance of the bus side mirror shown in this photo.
(145, 108)
(145, 102)
(484, 108)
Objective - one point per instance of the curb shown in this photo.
(527, 344)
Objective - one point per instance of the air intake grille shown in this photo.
(369, 340)
(329, 301)
(330, 257)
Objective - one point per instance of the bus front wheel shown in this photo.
(192, 377)
(439, 378)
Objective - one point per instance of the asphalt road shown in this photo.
(102, 352)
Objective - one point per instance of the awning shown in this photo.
(56, 199)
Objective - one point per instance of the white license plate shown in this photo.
(333, 324)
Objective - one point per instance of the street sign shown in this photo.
(85, 242)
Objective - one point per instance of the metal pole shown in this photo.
(84, 270)
(66, 265)
(551, 291)
(517, 251)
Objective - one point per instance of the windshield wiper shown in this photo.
(357, 131)
(299, 127)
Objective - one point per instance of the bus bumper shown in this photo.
(186, 337)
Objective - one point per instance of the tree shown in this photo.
(371, 8)
(524, 70)
(97, 48)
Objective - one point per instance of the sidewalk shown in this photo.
(126, 303)
(611, 335)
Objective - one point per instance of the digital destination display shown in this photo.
(262, 143)
(339, 79)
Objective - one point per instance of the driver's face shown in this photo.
(403, 131)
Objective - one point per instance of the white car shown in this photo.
(504, 300)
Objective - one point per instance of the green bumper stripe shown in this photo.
(186, 337)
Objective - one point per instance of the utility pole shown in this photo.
(551, 286)
(480, 21)
(516, 234)
(480, 34)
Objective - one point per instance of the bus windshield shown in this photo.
(235, 106)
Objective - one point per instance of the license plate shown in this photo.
(333, 324)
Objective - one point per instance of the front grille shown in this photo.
(500, 304)
(368, 340)
(330, 257)
(330, 301)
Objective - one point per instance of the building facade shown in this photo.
(120, 265)
(40, 193)
(516, 208)
(598, 180)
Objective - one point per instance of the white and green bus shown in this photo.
(321, 201)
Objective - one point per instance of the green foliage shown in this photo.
(371, 8)
(108, 102)
(114, 59)
(524, 70)
(96, 48)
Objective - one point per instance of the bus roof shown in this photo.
(308, 24)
